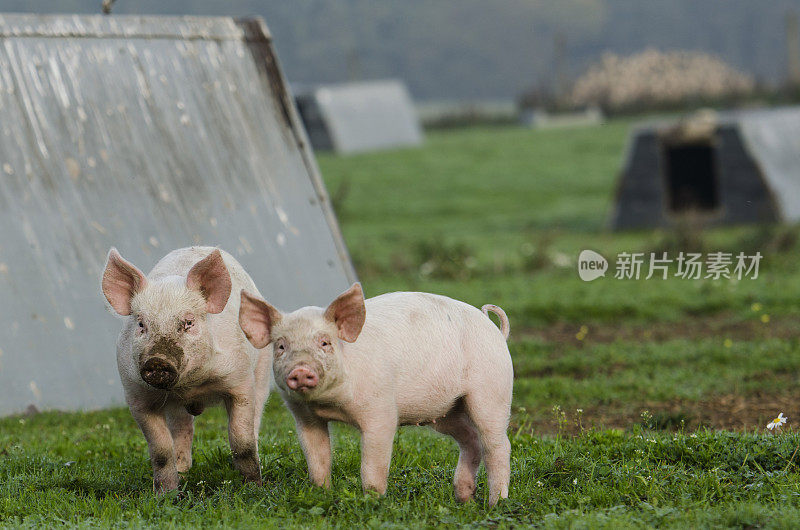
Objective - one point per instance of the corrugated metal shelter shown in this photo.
(148, 134)
(737, 167)
(357, 117)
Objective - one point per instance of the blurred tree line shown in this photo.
(462, 49)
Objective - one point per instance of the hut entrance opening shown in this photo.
(691, 177)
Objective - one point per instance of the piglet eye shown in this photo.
(142, 327)
(187, 324)
(280, 347)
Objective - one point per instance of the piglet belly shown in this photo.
(429, 385)
(427, 398)
(425, 414)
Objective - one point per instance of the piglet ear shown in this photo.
(257, 318)
(348, 313)
(211, 278)
(121, 280)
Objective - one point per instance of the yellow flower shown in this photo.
(728, 343)
(756, 307)
(765, 318)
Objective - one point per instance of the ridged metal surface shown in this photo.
(773, 139)
(148, 134)
(358, 117)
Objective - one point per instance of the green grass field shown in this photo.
(636, 402)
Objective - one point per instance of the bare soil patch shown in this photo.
(725, 412)
(722, 325)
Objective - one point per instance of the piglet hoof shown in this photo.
(255, 480)
(495, 498)
(324, 484)
(374, 490)
(251, 472)
(464, 492)
(166, 488)
(173, 496)
(183, 464)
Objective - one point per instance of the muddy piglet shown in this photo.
(397, 359)
(182, 349)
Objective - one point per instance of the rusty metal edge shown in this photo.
(256, 30)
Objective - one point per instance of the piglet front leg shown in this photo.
(241, 436)
(377, 436)
(316, 443)
(181, 427)
(162, 453)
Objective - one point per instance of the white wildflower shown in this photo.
(777, 422)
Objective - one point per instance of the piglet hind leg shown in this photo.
(241, 436)
(489, 412)
(458, 425)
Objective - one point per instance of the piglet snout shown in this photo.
(159, 373)
(302, 379)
